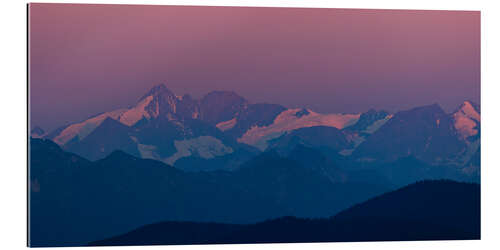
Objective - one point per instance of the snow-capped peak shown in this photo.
(469, 109)
(157, 90)
(160, 101)
(291, 119)
(135, 114)
(84, 128)
(157, 100)
(467, 119)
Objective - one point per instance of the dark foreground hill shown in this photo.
(427, 210)
(74, 201)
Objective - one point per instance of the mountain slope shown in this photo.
(292, 119)
(318, 136)
(426, 133)
(80, 130)
(369, 121)
(258, 114)
(220, 106)
(109, 136)
(467, 119)
(223, 120)
(429, 210)
(127, 192)
(160, 119)
(161, 125)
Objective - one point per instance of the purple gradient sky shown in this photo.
(87, 59)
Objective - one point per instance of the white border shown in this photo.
(13, 113)
(359, 4)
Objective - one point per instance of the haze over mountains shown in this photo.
(297, 148)
(169, 128)
(83, 201)
(404, 214)
(223, 159)
(74, 201)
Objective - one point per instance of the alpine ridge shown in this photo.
(225, 126)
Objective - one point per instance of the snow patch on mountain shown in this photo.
(292, 119)
(206, 147)
(86, 127)
(135, 114)
(357, 140)
(467, 118)
(223, 126)
(37, 135)
(147, 151)
(376, 125)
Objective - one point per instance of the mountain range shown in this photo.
(227, 130)
(222, 165)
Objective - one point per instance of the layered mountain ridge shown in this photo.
(428, 210)
(225, 126)
(224, 159)
(127, 191)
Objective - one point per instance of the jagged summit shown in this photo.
(158, 90)
(158, 87)
(159, 101)
(368, 119)
(161, 119)
(471, 103)
(467, 119)
(469, 107)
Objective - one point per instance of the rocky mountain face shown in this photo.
(222, 158)
(427, 133)
(225, 129)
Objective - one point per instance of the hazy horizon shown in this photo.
(88, 59)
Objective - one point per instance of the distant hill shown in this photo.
(427, 210)
(74, 201)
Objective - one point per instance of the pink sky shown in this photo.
(86, 59)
